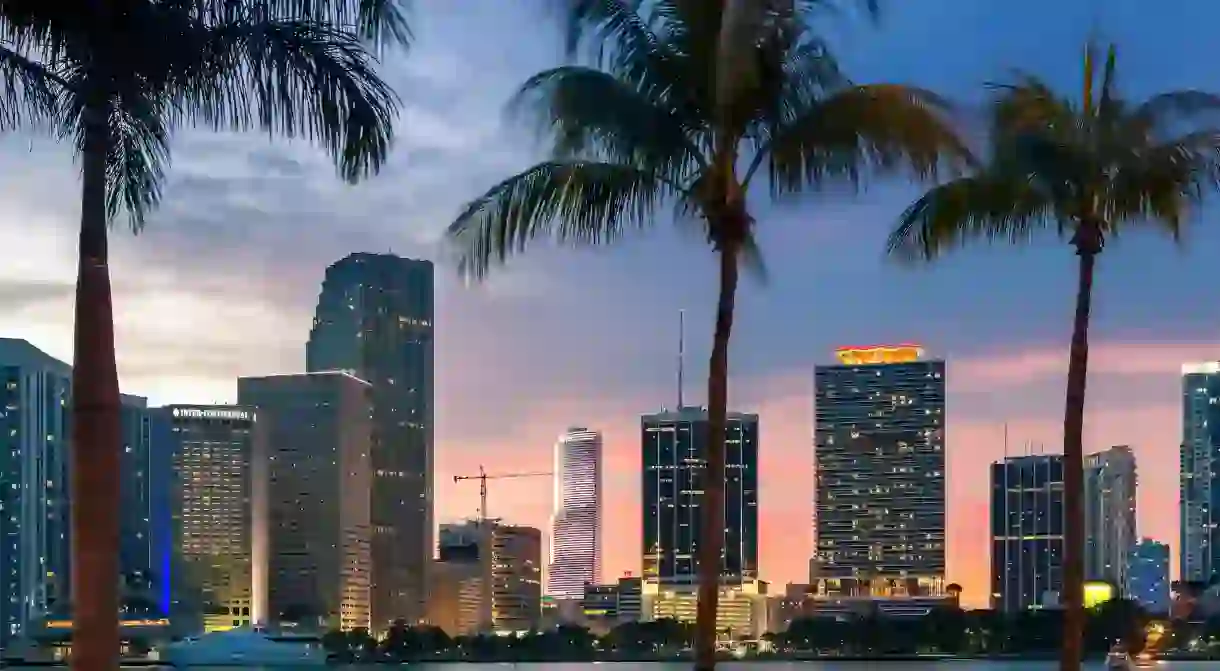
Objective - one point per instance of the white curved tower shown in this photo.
(576, 525)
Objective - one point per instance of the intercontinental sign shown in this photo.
(213, 413)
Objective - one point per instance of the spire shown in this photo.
(681, 352)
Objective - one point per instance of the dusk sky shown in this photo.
(224, 280)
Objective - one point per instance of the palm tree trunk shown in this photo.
(96, 435)
(711, 536)
(1088, 245)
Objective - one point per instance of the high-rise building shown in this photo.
(516, 575)
(315, 436)
(1027, 532)
(460, 600)
(34, 502)
(493, 577)
(212, 519)
(1148, 576)
(576, 526)
(1199, 495)
(374, 319)
(143, 475)
(1109, 514)
(879, 441)
(674, 459)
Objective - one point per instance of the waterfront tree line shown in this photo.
(946, 631)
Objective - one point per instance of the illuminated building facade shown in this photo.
(460, 599)
(1027, 532)
(879, 441)
(516, 574)
(674, 449)
(576, 555)
(742, 611)
(1148, 576)
(1199, 484)
(315, 437)
(34, 503)
(374, 319)
(1109, 514)
(212, 519)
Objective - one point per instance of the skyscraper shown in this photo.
(1109, 514)
(879, 440)
(1199, 495)
(374, 319)
(576, 529)
(1148, 576)
(1026, 532)
(34, 503)
(674, 446)
(315, 435)
(516, 575)
(140, 471)
(212, 520)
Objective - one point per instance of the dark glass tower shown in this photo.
(674, 448)
(879, 441)
(375, 320)
(1027, 532)
(138, 560)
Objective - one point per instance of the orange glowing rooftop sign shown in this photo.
(878, 354)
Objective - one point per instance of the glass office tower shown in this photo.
(1199, 484)
(374, 319)
(1027, 532)
(674, 446)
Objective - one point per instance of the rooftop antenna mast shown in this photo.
(681, 352)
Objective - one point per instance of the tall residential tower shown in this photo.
(879, 441)
(1199, 495)
(576, 527)
(1109, 514)
(374, 320)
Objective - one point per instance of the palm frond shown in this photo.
(573, 202)
(29, 92)
(292, 78)
(1174, 106)
(1029, 103)
(1163, 184)
(590, 113)
(383, 22)
(878, 127)
(615, 36)
(978, 207)
(139, 154)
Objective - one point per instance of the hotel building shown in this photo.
(212, 513)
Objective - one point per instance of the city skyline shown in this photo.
(526, 354)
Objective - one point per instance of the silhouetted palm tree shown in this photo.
(118, 77)
(652, 118)
(1086, 169)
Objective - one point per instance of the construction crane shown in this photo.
(483, 477)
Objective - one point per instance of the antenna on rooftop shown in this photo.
(681, 352)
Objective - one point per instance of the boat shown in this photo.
(243, 647)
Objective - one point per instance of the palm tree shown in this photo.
(1086, 169)
(644, 118)
(118, 77)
